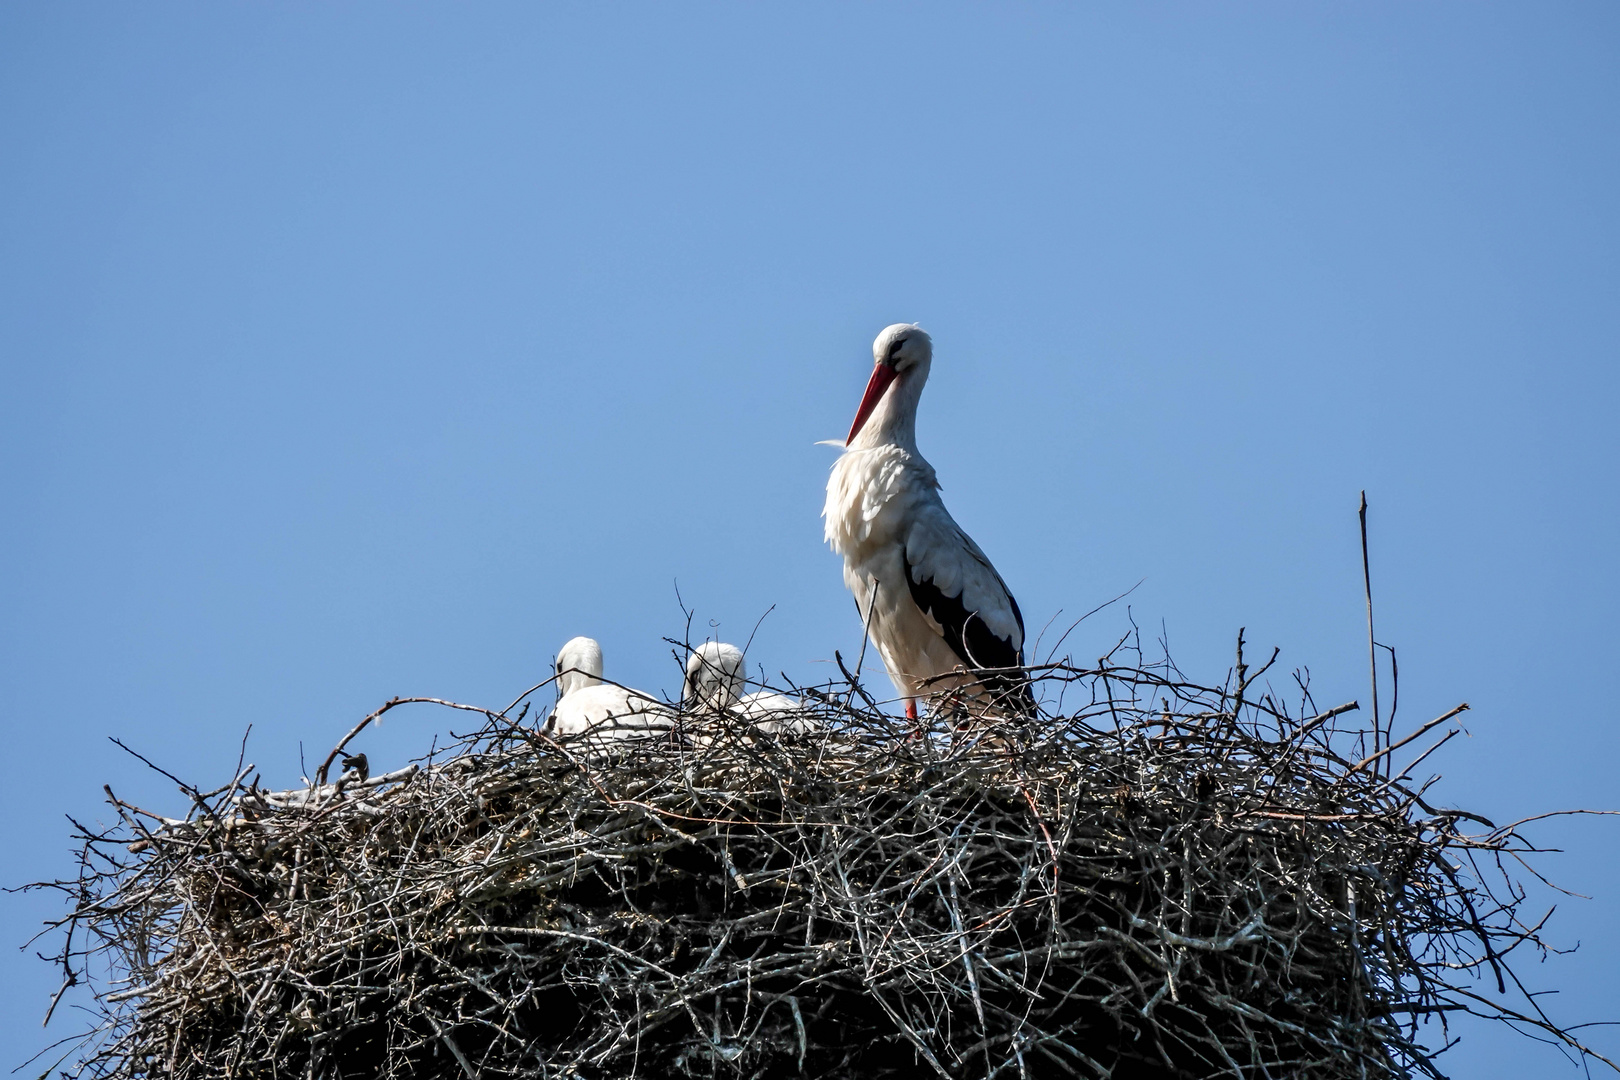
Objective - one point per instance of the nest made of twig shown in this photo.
(1151, 879)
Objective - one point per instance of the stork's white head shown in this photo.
(902, 346)
(579, 664)
(714, 676)
(902, 354)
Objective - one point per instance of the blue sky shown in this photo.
(356, 351)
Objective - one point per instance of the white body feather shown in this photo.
(600, 712)
(777, 714)
(715, 681)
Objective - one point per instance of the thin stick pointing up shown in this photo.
(1372, 647)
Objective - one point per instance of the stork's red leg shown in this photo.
(911, 708)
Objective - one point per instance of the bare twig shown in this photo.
(1372, 645)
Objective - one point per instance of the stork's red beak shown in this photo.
(882, 376)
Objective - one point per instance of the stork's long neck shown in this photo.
(577, 669)
(894, 421)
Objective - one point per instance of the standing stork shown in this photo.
(937, 611)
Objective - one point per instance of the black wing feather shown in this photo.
(973, 642)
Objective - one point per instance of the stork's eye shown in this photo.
(894, 350)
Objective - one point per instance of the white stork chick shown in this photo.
(601, 711)
(932, 602)
(715, 681)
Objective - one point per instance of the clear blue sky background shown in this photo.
(356, 351)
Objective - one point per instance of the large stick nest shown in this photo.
(1153, 879)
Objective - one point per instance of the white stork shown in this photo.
(931, 601)
(715, 681)
(601, 711)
